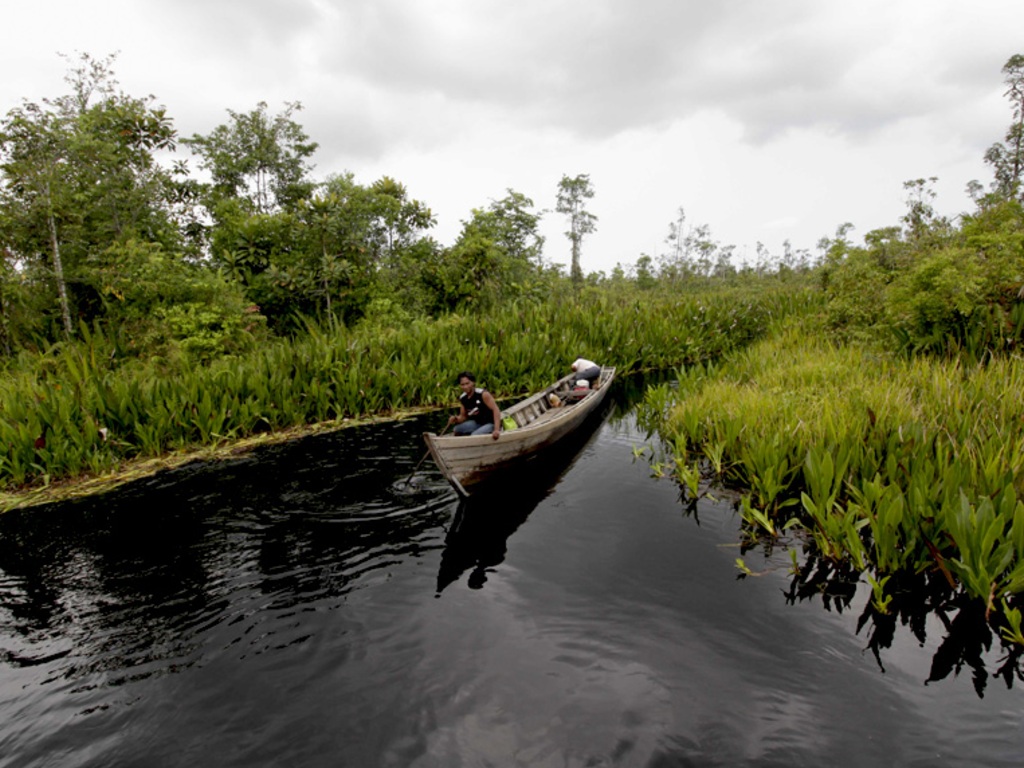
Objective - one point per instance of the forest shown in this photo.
(862, 401)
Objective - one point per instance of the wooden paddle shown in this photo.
(420, 462)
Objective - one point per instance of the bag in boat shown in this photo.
(508, 424)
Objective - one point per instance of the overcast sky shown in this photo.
(767, 120)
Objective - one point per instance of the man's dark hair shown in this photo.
(465, 375)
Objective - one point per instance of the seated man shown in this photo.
(478, 412)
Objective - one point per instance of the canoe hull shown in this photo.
(471, 462)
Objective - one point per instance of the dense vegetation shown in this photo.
(77, 411)
(101, 225)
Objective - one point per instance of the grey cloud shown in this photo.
(392, 71)
(239, 26)
(596, 69)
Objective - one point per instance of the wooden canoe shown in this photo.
(468, 462)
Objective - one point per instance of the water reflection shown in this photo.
(969, 641)
(477, 540)
(127, 584)
(919, 600)
(477, 537)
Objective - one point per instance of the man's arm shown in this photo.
(490, 403)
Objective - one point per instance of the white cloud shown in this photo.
(767, 121)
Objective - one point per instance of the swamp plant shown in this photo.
(893, 465)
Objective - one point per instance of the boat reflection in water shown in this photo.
(482, 523)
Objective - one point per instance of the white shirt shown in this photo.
(582, 364)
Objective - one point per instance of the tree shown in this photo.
(572, 194)
(723, 262)
(258, 158)
(320, 217)
(514, 227)
(37, 193)
(645, 279)
(676, 237)
(397, 220)
(497, 254)
(678, 265)
(1007, 159)
(923, 225)
(511, 226)
(79, 176)
(328, 254)
(693, 253)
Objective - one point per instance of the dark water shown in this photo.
(307, 607)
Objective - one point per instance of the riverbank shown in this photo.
(131, 470)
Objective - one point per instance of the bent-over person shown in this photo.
(587, 370)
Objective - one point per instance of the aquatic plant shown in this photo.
(890, 464)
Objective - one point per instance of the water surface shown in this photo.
(306, 605)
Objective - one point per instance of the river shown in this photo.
(319, 603)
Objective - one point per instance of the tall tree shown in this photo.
(676, 264)
(37, 195)
(572, 196)
(514, 226)
(78, 175)
(319, 217)
(676, 235)
(1007, 159)
(258, 158)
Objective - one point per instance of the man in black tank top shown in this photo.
(478, 413)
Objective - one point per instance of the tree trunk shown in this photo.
(327, 285)
(575, 271)
(5, 332)
(58, 272)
